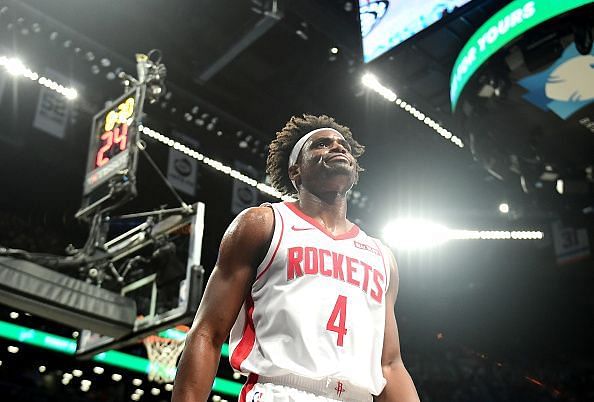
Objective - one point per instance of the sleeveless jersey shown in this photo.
(317, 306)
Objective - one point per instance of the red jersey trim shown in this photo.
(247, 387)
(246, 344)
(280, 239)
(353, 232)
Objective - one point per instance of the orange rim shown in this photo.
(156, 338)
(183, 328)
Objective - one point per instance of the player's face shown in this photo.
(326, 159)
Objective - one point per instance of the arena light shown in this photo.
(112, 357)
(371, 82)
(219, 166)
(504, 208)
(560, 186)
(412, 234)
(15, 67)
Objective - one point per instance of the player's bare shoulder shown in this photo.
(253, 223)
(250, 232)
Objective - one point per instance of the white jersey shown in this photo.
(317, 306)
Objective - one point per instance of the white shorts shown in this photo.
(291, 388)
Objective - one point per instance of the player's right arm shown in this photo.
(243, 247)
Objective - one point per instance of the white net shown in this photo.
(163, 354)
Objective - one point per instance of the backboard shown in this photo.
(163, 298)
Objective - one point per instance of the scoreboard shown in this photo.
(111, 161)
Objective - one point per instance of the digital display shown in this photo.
(387, 23)
(111, 138)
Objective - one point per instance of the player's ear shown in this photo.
(294, 172)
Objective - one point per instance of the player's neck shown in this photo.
(329, 209)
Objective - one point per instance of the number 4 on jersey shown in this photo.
(338, 314)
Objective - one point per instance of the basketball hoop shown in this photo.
(163, 352)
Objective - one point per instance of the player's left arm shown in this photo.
(399, 386)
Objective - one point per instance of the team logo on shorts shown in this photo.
(339, 389)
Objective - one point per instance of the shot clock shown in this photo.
(111, 163)
(113, 136)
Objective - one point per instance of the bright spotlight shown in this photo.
(415, 234)
(504, 207)
(70, 93)
(560, 186)
(15, 66)
(369, 80)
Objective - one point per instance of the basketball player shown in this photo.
(307, 297)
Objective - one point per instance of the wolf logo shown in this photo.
(565, 87)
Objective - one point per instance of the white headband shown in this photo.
(299, 146)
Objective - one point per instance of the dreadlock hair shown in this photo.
(280, 148)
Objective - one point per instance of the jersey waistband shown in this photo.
(327, 387)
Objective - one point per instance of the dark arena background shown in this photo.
(132, 132)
